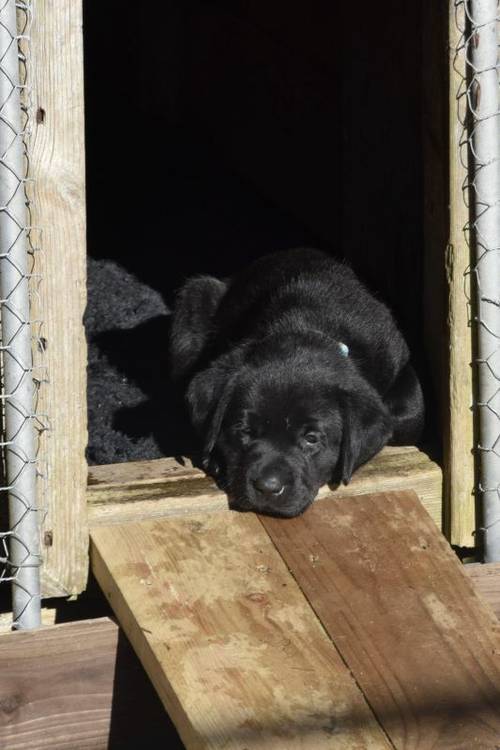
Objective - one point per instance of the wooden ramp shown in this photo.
(351, 627)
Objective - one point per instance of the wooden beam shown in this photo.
(57, 164)
(447, 315)
(77, 685)
(227, 638)
(394, 599)
(119, 493)
(459, 441)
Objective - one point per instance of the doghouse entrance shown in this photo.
(232, 131)
(244, 132)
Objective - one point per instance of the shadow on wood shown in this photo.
(138, 718)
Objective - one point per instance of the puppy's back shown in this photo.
(305, 289)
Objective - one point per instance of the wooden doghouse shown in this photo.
(346, 118)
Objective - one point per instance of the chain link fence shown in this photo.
(479, 113)
(22, 341)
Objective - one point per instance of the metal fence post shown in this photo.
(17, 394)
(484, 144)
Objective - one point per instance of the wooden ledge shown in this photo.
(136, 491)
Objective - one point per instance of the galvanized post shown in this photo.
(17, 395)
(484, 101)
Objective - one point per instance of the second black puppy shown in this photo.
(294, 376)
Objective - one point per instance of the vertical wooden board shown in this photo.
(394, 599)
(227, 638)
(459, 483)
(57, 166)
(448, 332)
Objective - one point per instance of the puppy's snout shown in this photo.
(270, 485)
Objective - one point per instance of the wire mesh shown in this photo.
(479, 113)
(21, 374)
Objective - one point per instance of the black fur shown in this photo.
(278, 406)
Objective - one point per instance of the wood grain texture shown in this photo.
(147, 489)
(77, 686)
(459, 442)
(486, 582)
(227, 638)
(394, 599)
(57, 164)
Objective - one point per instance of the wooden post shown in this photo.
(57, 166)
(459, 481)
(447, 257)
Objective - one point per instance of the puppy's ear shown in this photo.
(208, 397)
(367, 426)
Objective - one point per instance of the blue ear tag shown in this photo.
(344, 349)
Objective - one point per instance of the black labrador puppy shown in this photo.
(294, 376)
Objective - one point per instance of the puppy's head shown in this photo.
(271, 441)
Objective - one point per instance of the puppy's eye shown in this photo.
(311, 438)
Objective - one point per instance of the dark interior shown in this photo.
(218, 132)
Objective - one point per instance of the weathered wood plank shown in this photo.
(146, 489)
(395, 601)
(486, 582)
(459, 440)
(148, 473)
(77, 685)
(227, 638)
(57, 164)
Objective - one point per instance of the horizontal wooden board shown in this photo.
(164, 487)
(77, 686)
(395, 600)
(227, 638)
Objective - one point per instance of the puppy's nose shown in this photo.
(269, 484)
